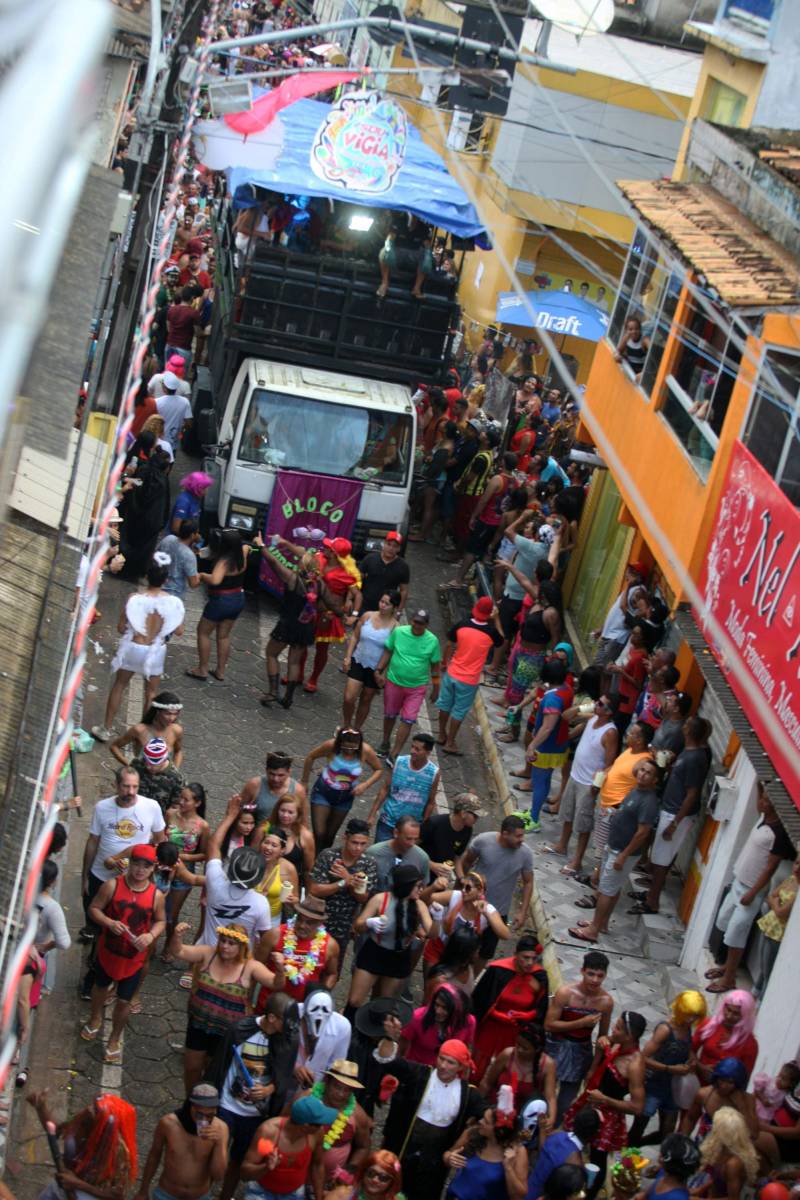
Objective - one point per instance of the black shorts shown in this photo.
(378, 960)
(126, 988)
(488, 943)
(508, 611)
(365, 675)
(480, 537)
(201, 1039)
(241, 1130)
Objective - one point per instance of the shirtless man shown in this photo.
(574, 1012)
(194, 1143)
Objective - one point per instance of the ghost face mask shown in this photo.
(317, 1011)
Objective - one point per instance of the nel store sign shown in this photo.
(751, 584)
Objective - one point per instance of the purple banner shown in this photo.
(305, 509)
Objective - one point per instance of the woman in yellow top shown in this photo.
(280, 884)
(773, 925)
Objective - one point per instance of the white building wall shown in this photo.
(778, 1022)
(730, 838)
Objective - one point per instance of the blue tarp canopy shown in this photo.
(423, 186)
(557, 312)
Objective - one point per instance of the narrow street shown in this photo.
(227, 735)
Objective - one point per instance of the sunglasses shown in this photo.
(602, 704)
(378, 1176)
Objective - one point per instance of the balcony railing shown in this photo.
(687, 424)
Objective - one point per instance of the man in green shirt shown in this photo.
(411, 658)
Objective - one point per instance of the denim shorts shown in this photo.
(224, 608)
(328, 797)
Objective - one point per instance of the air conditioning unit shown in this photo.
(722, 798)
(466, 131)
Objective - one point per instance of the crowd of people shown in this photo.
(309, 1072)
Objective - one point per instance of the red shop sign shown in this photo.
(751, 584)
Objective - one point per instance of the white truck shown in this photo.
(309, 371)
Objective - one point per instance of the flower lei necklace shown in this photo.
(336, 1130)
(299, 968)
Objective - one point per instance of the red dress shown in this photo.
(606, 1078)
(515, 1005)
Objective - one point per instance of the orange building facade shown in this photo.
(717, 369)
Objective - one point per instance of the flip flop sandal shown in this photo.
(546, 848)
(217, 676)
(135, 1008)
(520, 787)
(581, 936)
(714, 973)
(643, 909)
(586, 902)
(113, 1056)
(88, 1034)
(185, 982)
(568, 871)
(586, 880)
(194, 675)
(717, 989)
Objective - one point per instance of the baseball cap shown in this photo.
(195, 246)
(340, 546)
(467, 802)
(172, 269)
(144, 852)
(170, 380)
(394, 536)
(483, 609)
(176, 364)
(308, 1110)
(421, 614)
(547, 534)
(474, 423)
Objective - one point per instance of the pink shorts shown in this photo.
(401, 702)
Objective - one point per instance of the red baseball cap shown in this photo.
(394, 536)
(195, 246)
(340, 546)
(483, 609)
(144, 851)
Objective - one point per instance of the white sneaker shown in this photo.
(101, 734)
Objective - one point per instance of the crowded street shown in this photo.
(399, 454)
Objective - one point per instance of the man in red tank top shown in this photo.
(130, 913)
(280, 1154)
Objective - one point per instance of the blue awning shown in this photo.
(423, 186)
(557, 312)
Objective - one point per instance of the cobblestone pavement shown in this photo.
(227, 734)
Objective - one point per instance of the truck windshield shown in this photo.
(302, 434)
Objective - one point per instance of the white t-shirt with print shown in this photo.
(120, 827)
(229, 904)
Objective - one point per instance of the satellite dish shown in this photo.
(581, 17)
